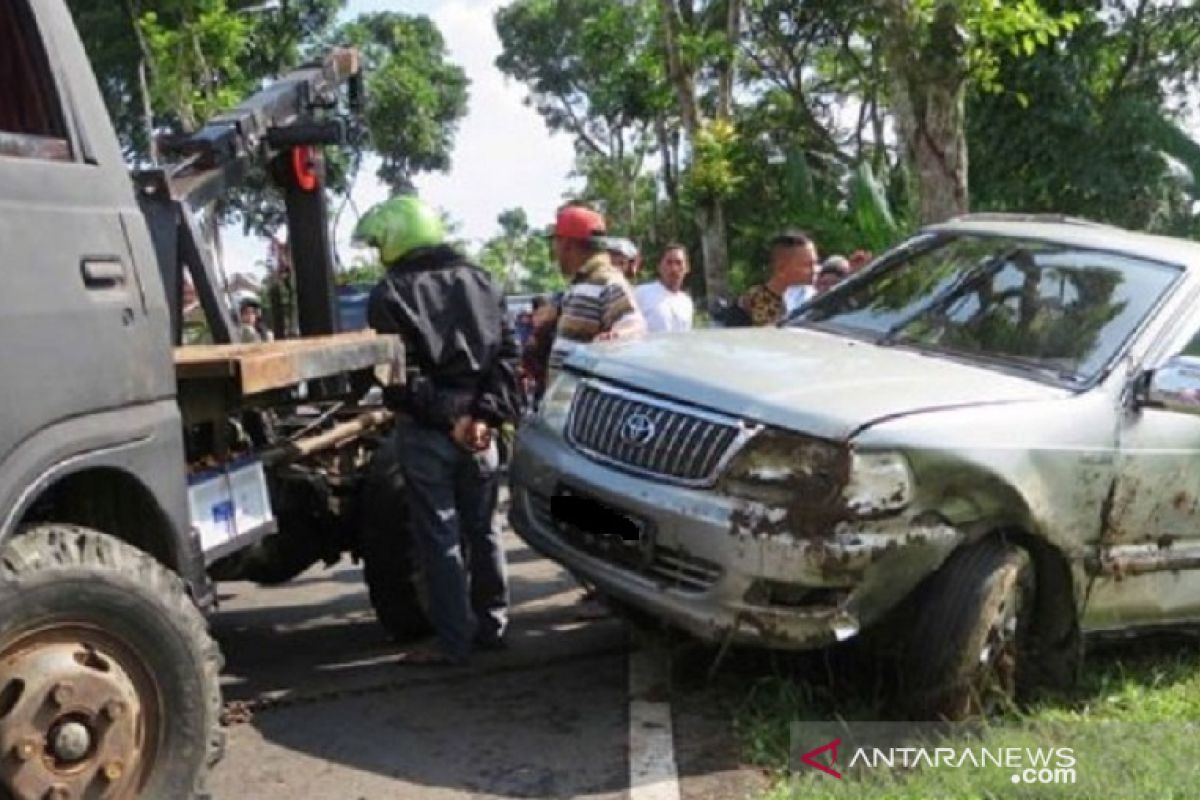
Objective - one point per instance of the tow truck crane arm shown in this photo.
(282, 126)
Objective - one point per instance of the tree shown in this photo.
(416, 97)
(934, 49)
(169, 65)
(700, 49)
(1088, 127)
(594, 71)
(519, 257)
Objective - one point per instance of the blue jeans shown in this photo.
(452, 498)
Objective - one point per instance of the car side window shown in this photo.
(31, 117)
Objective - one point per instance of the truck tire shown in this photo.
(108, 676)
(391, 567)
(969, 632)
(272, 561)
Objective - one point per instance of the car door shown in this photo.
(79, 335)
(1151, 541)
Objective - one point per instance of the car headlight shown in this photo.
(787, 469)
(556, 403)
(879, 482)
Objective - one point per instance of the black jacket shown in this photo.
(461, 353)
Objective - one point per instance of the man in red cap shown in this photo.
(599, 303)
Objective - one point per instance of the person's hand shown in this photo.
(471, 434)
(607, 336)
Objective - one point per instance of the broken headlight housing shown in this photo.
(781, 468)
(556, 404)
(879, 482)
(792, 471)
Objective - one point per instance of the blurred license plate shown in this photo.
(598, 527)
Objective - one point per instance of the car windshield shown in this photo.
(1058, 310)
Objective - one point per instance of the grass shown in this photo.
(1133, 721)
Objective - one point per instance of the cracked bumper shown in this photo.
(696, 573)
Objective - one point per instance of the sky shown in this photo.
(503, 155)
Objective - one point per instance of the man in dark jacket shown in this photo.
(461, 387)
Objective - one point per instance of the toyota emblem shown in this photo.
(638, 429)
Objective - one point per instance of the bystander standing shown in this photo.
(833, 271)
(793, 258)
(667, 307)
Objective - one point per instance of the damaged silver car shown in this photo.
(977, 450)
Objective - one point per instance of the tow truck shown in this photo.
(135, 471)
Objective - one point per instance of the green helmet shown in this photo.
(398, 226)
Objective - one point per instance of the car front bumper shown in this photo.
(700, 571)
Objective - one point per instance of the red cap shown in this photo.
(578, 222)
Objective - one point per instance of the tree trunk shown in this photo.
(144, 79)
(931, 128)
(709, 213)
(670, 180)
(929, 93)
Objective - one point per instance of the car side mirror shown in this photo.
(1175, 386)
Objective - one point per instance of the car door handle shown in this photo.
(103, 273)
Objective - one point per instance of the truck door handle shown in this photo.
(103, 273)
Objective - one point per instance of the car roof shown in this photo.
(1077, 232)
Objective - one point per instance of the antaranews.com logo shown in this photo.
(1029, 765)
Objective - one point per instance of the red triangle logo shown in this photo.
(810, 758)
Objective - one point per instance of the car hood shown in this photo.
(805, 380)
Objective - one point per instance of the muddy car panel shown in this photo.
(704, 576)
(1096, 481)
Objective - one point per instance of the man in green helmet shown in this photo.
(462, 387)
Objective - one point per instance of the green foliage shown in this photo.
(630, 205)
(203, 56)
(592, 67)
(594, 70)
(364, 270)
(416, 98)
(200, 55)
(519, 257)
(1019, 27)
(1092, 137)
(711, 174)
(1130, 720)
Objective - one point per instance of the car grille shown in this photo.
(685, 445)
(671, 569)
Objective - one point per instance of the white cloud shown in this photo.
(503, 155)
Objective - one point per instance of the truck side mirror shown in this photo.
(1175, 386)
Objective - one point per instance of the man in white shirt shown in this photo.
(665, 305)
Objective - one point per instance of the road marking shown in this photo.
(652, 772)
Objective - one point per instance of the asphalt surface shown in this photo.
(319, 708)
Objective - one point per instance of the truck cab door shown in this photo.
(81, 332)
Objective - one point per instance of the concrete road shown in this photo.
(332, 716)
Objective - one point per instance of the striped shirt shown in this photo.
(598, 301)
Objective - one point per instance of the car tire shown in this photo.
(969, 631)
(391, 567)
(110, 676)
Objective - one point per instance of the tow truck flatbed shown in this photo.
(214, 379)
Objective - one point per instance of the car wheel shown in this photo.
(108, 677)
(963, 652)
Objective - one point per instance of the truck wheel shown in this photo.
(108, 677)
(390, 563)
(966, 640)
(272, 561)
